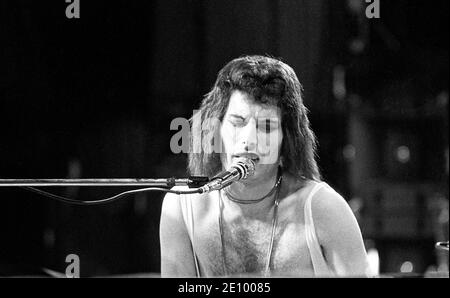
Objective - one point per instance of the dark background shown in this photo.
(94, 97)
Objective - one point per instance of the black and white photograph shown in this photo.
(224, 145)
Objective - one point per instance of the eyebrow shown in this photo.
(237, 116)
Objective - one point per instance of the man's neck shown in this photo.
(253, 191)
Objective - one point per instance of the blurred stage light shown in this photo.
(407, 267)
(403, 154)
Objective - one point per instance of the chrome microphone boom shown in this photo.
(164, 182)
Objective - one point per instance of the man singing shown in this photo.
(280, 221)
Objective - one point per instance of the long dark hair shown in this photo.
(268, 81)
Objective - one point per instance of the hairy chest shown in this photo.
(246, 247)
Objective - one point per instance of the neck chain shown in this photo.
(272, 236)
(241, 201)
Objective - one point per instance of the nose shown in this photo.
(248, 136)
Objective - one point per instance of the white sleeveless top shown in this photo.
(320, 266)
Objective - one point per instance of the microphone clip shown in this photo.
(197, 181)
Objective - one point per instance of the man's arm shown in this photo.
(176, 251)
(339, 234)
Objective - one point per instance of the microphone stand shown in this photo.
(191, 182)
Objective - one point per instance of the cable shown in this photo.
(110, 199)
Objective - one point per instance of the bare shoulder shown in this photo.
(332, 214)
(325, 200)
(328, 202)
(173, 202)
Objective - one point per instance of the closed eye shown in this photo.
(236, 120)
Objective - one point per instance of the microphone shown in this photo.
(241, 169)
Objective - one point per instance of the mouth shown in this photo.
(252, 156)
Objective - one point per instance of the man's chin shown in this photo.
(261, 174)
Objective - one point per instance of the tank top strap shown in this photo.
(188, 217)
(318, 260)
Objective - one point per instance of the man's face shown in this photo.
(254, 131)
